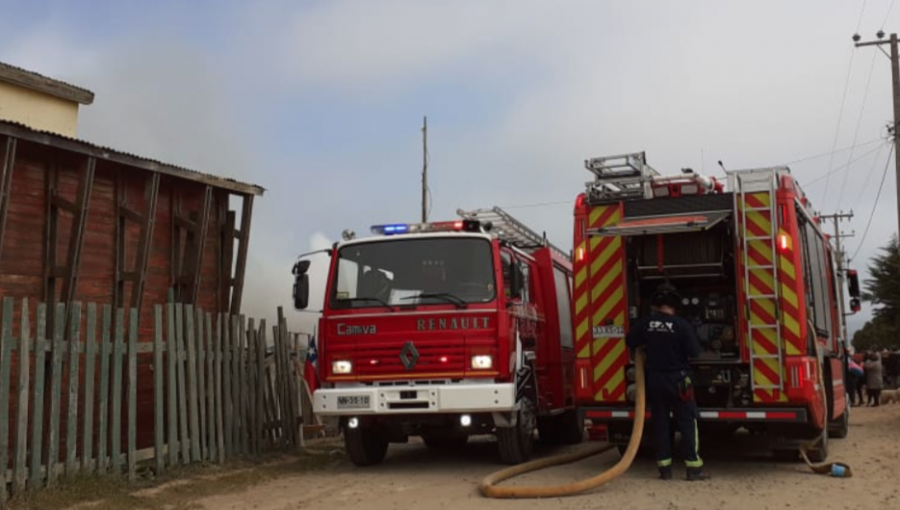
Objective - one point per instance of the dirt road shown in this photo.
(413, 477)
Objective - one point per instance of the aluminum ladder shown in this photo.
(755, 197)
(619, 177)
(511, 230)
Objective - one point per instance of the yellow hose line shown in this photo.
(489, 489)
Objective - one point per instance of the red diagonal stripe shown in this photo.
(766, 344)
(760, 312)
(615, 368)
(605, 216)
(760, 285)
(605, 295)
(599, 249)
(618, 392)
(608, 346)
(758, 256)
(755, 229)
(769, 373)
(755, 201)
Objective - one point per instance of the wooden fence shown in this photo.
(217, 387)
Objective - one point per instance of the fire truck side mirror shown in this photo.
(855, 305)
(853, 283)
(301, 284)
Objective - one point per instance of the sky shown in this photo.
(322, 104)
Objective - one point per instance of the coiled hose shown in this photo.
(490, 490)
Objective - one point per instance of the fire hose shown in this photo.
(488, 486)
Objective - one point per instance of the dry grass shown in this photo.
(176, 489)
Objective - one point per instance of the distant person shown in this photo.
(854, 380)
(874, 379)
(669, 342)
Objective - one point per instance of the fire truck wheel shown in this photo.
(820, 453)
(839, 428)
(569, 428)
(517, 443)
(365, 446)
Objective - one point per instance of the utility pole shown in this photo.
(842, 271)
(424, 169)
(895, 79)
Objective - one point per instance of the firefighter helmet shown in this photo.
(666, 295)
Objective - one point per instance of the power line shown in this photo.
(817, 156)
(885, 16)
(838, 169)
(865, 185)
(540, 204)
(837, 130)
(862, 110)
(875, 205)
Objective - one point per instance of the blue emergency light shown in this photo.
(438, 226)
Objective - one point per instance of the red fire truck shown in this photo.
(758, 279)
(445, 330)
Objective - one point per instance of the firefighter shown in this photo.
(669, 341)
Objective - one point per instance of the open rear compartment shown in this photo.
(701, 264)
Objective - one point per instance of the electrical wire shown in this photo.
(862, 110)
(817, 156)
(865, 185)
(838, 169)
(875, 205)
(837, 129)
(883, 23)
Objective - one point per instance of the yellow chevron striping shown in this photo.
(610, 251)
(608, 305)
(788, 267)
(585, 351)
(583, 327)
(610, 278)
(581, 302)
(609, 359)
(581, 276)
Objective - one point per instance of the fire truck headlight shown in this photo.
(341, 367)
(482, 362)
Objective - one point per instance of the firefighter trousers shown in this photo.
(674, 391)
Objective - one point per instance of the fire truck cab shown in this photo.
(759, 281)
(446, 330)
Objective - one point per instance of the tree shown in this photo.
(875, 335)
(883, 291)
(883, 288)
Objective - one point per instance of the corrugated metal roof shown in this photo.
(24, 77)
(23, 132)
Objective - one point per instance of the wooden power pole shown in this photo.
(895, 79)
(841, 270)
(424, 169)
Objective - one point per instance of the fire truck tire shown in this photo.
(839, 428)
(365, 446)
(516, 443)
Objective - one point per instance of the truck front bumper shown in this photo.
(388, 400)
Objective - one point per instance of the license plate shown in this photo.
(609, 331)
(353, 402)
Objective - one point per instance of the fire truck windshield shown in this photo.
(403, 272)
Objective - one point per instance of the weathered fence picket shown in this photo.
(219, 390)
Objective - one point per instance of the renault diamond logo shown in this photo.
(409, 355)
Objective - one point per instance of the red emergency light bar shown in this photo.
(437, 226)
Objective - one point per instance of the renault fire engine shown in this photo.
(444, 330)
(758, 280)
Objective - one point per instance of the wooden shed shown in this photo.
(80, 222)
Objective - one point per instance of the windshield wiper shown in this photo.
(367, 298)
(446, 296)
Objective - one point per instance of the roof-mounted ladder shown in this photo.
(511, 230)
(620, 177)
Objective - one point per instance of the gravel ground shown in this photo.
(415, 478)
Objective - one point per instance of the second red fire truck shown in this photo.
(445, 330)
(759, 281)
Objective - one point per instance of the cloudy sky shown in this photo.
(322, 102)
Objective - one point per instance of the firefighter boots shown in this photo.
(665, 473)
(696, 474)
